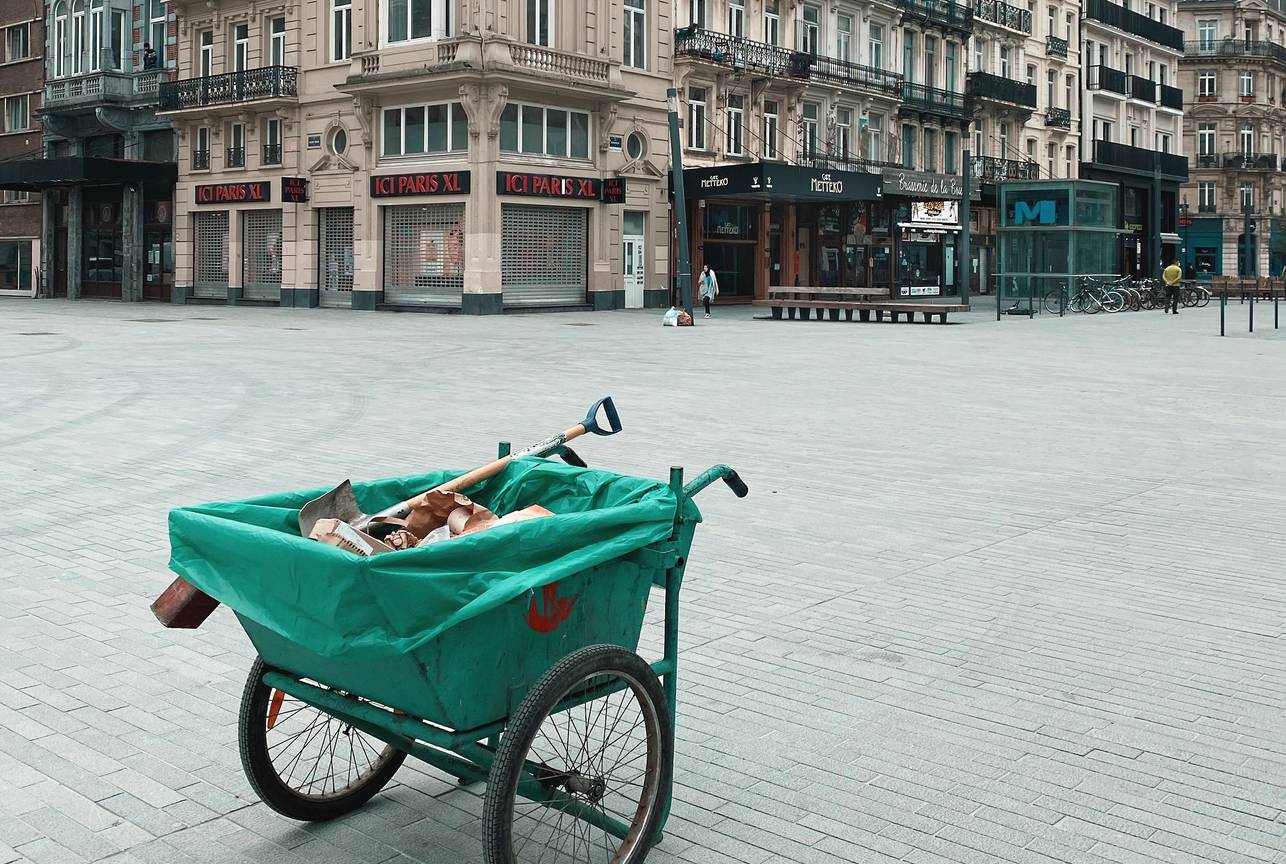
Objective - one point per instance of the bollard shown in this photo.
(1223, 306)
(1252, 313)
(1276, 299)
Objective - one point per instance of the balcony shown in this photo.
(236, 157)
(846, 163)
(1234, 49)
(1207, 160)
(265, 84)
(1109, 79)
(833, 71)
(1143, 89)
(103, 88)
(1059, 118)
(1139, 160)
(757, 58)
(993, 170)
(1135, 24)
(940, 13)
(200, 160)
(272, 154)
(1056, 46)
(560, 64)
(1171, 97)
(1249, 161)
(1001, 13)
(931, 100)
(985, 87)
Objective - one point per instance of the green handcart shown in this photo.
(541, 695)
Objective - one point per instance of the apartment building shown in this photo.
(21, 79)
(105, 169)
(423, 154)
(1233, 73)
(1132, 119)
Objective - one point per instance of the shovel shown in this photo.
(185, 606)
(340, 502)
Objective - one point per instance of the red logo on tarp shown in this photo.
(556, 610)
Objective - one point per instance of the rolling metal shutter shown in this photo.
(542, 255)
(261, 254)
(424, 254)
(335, 256)
(210, 254)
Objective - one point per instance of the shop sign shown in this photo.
(294, 190)
(613, 190)
(935, 212)
(1035, 207)
(547, 185)
(314, 142)
(1133, 226)
(420, 183)
(234, 193)
(919, 184)
(615, 143)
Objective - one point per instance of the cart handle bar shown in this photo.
(718, 472)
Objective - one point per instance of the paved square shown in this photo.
(1001, 592)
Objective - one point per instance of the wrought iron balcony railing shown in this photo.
(1143, 89)
(272, 154)
(250, 85)
(996, 88)
(200, 160)
(835, 71)
(1140, 159)
(943, 13)
(1060, 118)
(771, 61)
(1234, 49)
(931, 100)
(1107, 78)
(1171, 97)
(999, 12)
(995, 170)
(1056, 46)
(1114, 15)
(1250, 161)
(236, 157)
(1207, 160)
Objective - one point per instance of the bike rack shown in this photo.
(1254, 297)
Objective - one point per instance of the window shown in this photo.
(272, 141)
(809, 29)
(875, 137)
(431, 19)
(843, 132)
(930, 61)
(1069, 156)
(1051, 86)
(809, 129)
(1053, 23)
(1051, 156)
(1004, 61)
(341, 30)
(737, 18)
(771, 126)
(17, 117)
(908, 56)
(277, 42)
(207, 53)
(1206, 139)
(1069, 90)
(1247, 87)
(157, 14)
(1031, 74)
(15, 264)
(12, 196)
(979, 54)
(634, 145)
(875, 45)
(1164, 69)
(979, 138)
(636, 34)
(697, 13)
(1134, 136)
(930, 150)
(1004, 140)
(1247, 197)
(236, 157)
(77, 37)
(1163, 142)
(1206, 196)
(240, 47)
(1207, 84)
(951, 67)
(1102, 129)
(339, 141)
(415, 130)
(844, 37)
(201, 149)
(772, 22)
(540, 19)
(1067, 24)
(697, 118)
(1031, 149)
(18, 42)
(950, 161)
(908, 145)
(541, 131)
(116, 39)
(95, 35)
(1246, 139)
(736, 124)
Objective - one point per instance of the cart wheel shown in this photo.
(612, 755)
(303, 762)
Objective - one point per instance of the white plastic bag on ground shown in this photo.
(671, 318)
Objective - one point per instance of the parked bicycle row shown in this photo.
(1091, 295)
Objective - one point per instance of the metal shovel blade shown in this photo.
(339, 503)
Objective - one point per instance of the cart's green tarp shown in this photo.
(249, 556)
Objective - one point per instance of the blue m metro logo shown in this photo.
(1034, 212)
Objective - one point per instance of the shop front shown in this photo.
(925, 212)
(242, 242)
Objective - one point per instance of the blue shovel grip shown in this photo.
(613, 419)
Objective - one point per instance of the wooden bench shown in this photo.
(801, 300)
(910, 310)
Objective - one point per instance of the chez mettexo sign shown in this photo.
(256, 192)
(420, 183)
(294, 190)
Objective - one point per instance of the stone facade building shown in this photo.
(426, 154)
(1234, 74)
(21, 80)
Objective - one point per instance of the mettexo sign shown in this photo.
(420, 183)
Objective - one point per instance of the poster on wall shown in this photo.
(935, 212)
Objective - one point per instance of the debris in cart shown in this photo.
(336, 533)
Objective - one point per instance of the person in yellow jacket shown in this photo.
(1172, 276)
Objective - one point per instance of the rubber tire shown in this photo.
(1052, 301)
(497, 820)
(253, 741)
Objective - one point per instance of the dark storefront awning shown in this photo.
(774, 181)
(33, 175)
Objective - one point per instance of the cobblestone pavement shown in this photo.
(1002, 592)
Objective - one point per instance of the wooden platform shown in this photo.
(799, 302)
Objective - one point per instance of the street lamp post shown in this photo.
(1184, 222)
(684, 276)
